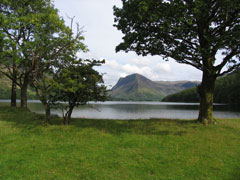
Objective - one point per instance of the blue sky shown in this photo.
(96, 18)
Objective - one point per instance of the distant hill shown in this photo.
(136, 87)
(227, 90)
(171, 87)
(5, 90)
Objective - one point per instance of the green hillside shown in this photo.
(171, 87)
(5, 90)
(136, 87)
(227, 90)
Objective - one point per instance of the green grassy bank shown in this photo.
(111, 150)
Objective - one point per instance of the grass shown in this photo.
(116, 150)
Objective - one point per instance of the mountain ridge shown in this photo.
(139, 88)
(227, 90)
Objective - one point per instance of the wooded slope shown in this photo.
(227, 90)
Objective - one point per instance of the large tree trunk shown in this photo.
(24, 91)
(206, 91)
(14, 95)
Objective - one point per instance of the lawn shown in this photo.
(117, 150)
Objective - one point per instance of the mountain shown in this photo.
(171, 87)
(227, 90)
(136, 87)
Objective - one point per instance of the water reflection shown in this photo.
(139, 110)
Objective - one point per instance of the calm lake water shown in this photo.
(138, 110)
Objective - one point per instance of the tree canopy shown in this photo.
(202, 33)
(38, 49)
(30, 32)
(191, 32)
(77, 83)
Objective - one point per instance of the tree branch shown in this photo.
(234, 67)
(219, 67)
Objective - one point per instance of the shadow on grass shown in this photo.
(23, 118)
(145, 127)
(236, 174)
(20, 116)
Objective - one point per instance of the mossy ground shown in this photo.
(111, 149)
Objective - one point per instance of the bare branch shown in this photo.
(72, 19)
(231, 69)
(225, 60)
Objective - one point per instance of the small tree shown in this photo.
(41, 81)
(62, 48)
(192, 32)
(76, 82)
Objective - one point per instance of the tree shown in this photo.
(40, 80)
(29, 29)
(6, 55)
(63, 49)
(76, 82)
(191, 32)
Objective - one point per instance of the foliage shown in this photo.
(189, 95)
(227, 90)
(190, 32)
(112, 149)
(64, 49)
(29, 30)
(38, 48)
(66, 78)
(76, 82)
(186, 31)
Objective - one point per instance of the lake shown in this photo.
(138, 110)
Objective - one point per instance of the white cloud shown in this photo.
(155, 70)
(165, 67)
(131, 68)
(122, 74)
(112, 64)
(101, 37)
(140, 61)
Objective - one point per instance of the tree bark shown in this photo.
(24, 91)
(14, 95)
(67, 117)
(14, 87)
(48, 113)
(206, 92)
(65, 120)
(42, 95)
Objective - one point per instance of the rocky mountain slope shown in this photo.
(136, 87)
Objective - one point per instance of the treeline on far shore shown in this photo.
(227, 90)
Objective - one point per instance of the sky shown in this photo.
(97, 19)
